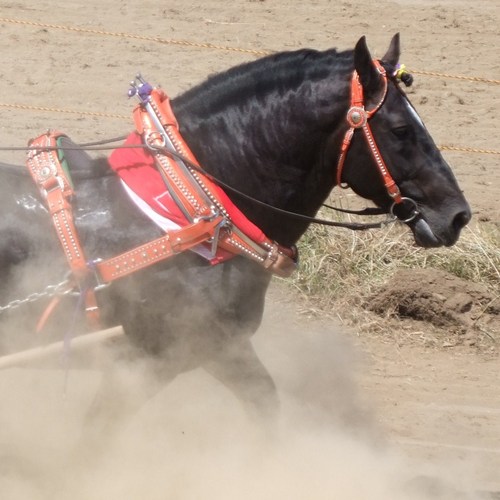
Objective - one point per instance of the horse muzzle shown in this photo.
(427, 237)
(424, 237)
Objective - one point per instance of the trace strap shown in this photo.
(50, 177)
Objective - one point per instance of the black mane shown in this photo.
(270, 128)
(258, 78)
(286, 100)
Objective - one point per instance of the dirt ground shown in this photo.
(397, 411)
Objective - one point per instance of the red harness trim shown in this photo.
(357, 118)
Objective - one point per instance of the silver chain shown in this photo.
(62, 288)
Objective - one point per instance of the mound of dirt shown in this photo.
(441, 299)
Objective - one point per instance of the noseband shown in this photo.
(357, 118)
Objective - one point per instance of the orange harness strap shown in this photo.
(162, 248)
(357, 117)
(48, 174)
(194, 192)
(51, 179)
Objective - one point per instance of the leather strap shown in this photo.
(195, 192)
(199, 198)
(358, 118)
(143, 256)
(55, 187)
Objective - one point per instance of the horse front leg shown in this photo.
(238, 367)
(124, 390)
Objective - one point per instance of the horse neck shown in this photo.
(266, 131)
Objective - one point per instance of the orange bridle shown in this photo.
(357, 118)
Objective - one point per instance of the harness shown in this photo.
(210, 216)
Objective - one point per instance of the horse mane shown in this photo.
(255, 127)
(257, 78)
(263, 108)
(262, 127)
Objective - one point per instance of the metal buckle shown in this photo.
(99, 285)
(154, 136)
(214, 240)
(211, 216)
(58, 185)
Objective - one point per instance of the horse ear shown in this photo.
(363, 64)
(394, 51)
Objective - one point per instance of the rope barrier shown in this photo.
(210, 46)
(463, 149)
(157, 39)
(186, 43)
(25, 107)
(456, 77)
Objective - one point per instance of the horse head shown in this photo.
(431, 202)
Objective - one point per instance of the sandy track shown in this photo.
(360, 419)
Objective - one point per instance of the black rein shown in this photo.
(98, 146)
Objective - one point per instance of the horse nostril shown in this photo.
(461, 219)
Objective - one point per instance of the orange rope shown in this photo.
(157, 39)
(463, 149)
(43, 109)
(211, 46)
(25, 107)
(456, 77)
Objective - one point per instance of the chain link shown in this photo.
(63, 288)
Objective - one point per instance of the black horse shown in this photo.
(272, 129)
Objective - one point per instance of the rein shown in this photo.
(95, 146)
(198, 195)
(355, 226)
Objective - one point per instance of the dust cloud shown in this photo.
(193, 440)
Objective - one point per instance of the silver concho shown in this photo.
(356, 117)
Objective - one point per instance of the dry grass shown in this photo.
(340, 268)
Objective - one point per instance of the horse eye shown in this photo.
(400, 132)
